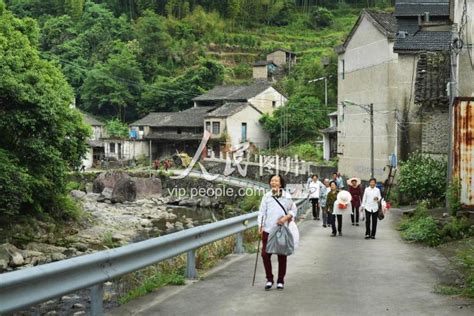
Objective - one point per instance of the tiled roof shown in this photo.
(283, 50)
(192, 117)
(263, 63)
(419, 7)
(174, 136)
(432, 75)
(90, 120)
(229, 109)
(416, 40)
(234, 93)
(385, 22)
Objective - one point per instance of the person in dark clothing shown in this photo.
(356, 192)
(331, 198)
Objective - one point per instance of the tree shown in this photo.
(42, 137)
(305, 117)
(321, 17)
(114, 88)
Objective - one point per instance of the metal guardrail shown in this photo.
(23, 288)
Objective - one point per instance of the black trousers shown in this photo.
(315, 203)
(333, 223)
(370, 217)
(355, 215)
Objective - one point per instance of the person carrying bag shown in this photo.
(276, 211)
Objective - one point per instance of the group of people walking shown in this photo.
(330, 200)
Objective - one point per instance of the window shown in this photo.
(216, 128)
(141, 128)
(274, 103)
(208, 126)
(244, 132)
(112, 148)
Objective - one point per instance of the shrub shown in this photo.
(423, 229)
(423, 178)
(321, 17)
(456, 229)
(251, 202)
(453, 196)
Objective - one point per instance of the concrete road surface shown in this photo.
(345, 275)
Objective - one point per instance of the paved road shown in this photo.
(327, 276)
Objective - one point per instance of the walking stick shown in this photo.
(256, 261)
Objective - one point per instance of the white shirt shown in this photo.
(368, 201)
(270, 211)
(314, 189)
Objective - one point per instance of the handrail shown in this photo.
(24, 288)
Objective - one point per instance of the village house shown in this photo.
(399, 63)
(265, 70)
(330, 138)
(282, 58)
(96, 151)
(166, 133)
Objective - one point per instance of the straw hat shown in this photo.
(349, 182)
(343, 198)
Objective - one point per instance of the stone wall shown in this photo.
(435, 132)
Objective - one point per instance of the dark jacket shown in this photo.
(332, 197)
(356, 194)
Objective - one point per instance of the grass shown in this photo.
(108, 241)
(171, 272)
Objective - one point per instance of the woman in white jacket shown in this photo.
(271, 214)
(370, 203)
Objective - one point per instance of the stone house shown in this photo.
(283, 58)
(397, 62)
(264, 70)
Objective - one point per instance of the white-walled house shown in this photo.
(232, 124)
(394, 61)
(96, 145)
(261, 94)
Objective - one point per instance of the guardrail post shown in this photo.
(97, 293)
(191, 272)
(239, 245)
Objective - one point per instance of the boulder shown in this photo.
(45, 248)
(76, 194)
(3, 265)
(124, 190)
(16, 259)
(147, 187)
(106, 194)
(189, 202)
(57, 256)
(205, 202)
(108, 180)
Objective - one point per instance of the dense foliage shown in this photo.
(42, 137)
(423, 178)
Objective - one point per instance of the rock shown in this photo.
(189, 202)
(205, 202)
(145, 223)
(179, 226)
(51, 313)
(106, 194)
(16, 259)
(79, 313)
(80, 246)
(3, 265)
(118, 237)
(57, 256)
(45, 248)
(146, 187)
(5, 250)
(445, 214)
(124, 190)
(77, 194)
(78, 306)
(108, 180)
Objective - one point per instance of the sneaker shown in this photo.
(367, 237)
(357, 224)
(268, 286)
(314, 218)
(372, 237)
(317, 218)
(353, 224)
(324, 225)
(280, 286)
